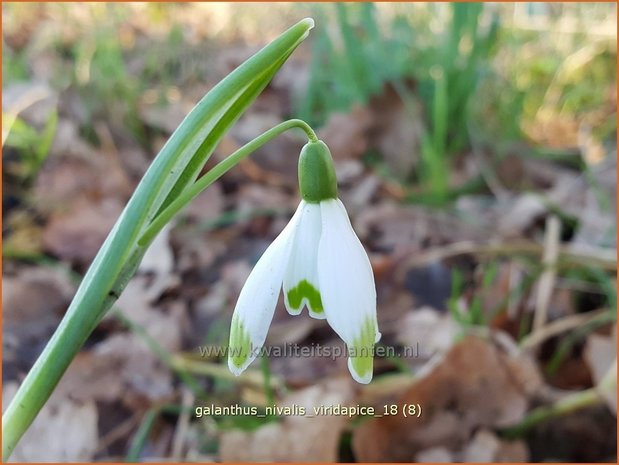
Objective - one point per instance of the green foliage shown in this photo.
(568, 343)
(171, 62)
(596, 278)
(149, 419)
(350, 67)
(545, 74)
(101, 77)
(14, 66)
(448, 74)
(32, 145)
(473, 315)
(446, 69)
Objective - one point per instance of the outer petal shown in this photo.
(347, 288)
(254, 309)
(301, 285)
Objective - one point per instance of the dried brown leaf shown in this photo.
(346, 133)
(77, 234)
(294, 438)
(471, 387)
(65, 430)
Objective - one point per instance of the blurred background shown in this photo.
(475, 149)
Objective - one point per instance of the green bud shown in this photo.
(317, 180)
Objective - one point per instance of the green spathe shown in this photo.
(305, 290)
(317, 180)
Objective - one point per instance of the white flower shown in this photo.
(320, 263)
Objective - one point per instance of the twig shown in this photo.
(605, 259)
(515, 283)
(580, 285)
(28, 99)
(250, 377)
(563, 325)
(182, 425)
(568, 404)
(547, 279)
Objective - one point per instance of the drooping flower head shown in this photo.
(320, 264)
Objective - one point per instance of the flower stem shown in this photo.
(218, 171)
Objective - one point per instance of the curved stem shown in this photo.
(216, 172)
(569, 404)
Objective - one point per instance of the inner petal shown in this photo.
(305, 293)
(301, 278)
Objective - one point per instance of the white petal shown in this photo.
(301, 278)
(347, 288)
(254, 309)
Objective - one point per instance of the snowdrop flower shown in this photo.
(321, 265)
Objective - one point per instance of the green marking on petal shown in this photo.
(361, 351)
(305, 290)
(240, 343)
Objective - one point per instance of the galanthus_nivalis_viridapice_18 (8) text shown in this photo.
(320, 264)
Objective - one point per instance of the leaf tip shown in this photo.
(309, 22)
